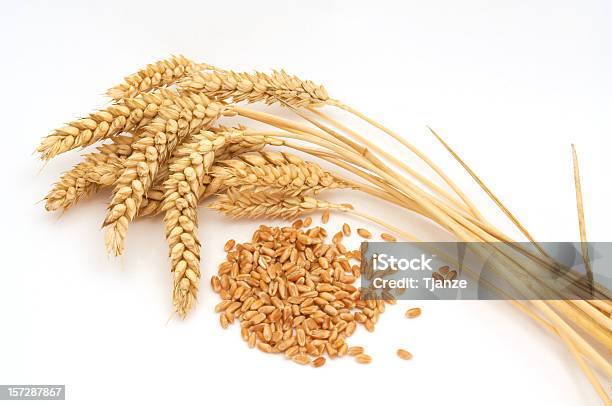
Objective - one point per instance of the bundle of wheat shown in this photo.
(165, 156)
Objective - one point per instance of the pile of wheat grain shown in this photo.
(167, 149)
(294, 293)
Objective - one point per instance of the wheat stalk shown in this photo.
(256, 87)
(126, 115)
(186, 115)
(156, 75)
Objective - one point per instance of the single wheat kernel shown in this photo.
(293, 351)
(346, 229)
(337, 237)
(301, 359)
(363, 359)
(297, 224)
(325, 217)
(364, 233)
(223, 320)
(252, 340)
(215, 282)
(229, 245)
(355, 350)
(264, 347)
(318, 362)
(388, 237)
(307, 222)
(403, 354)
(414, 312)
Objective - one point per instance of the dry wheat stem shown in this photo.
(603, 306)
(581, 346)
(414, 150)
(156, 75)
(586, 324)
(411, 189)
(477, 231)
(432, 206)
(393, 160)
(546, 261)
(581, 223)
(186, 115)
(428, 202)
(587, 351)
(586, 369)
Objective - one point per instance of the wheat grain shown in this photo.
(256, 87)
(355, 351)
(412, 313)
(229, 245)
(126, 115)
(155, 75)
(301, 359)
(363, 358)
(403, 354)
(388, 237)
(325, 217)
(364, 233)
(186, 115)
(318, 362)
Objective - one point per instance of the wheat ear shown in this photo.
(254, 87)
(189, 164)
(186, 115)
(155, 75)
(97, 168)
(244, 203)
(127, 115)
(264, 170)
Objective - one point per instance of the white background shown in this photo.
(510, 84)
